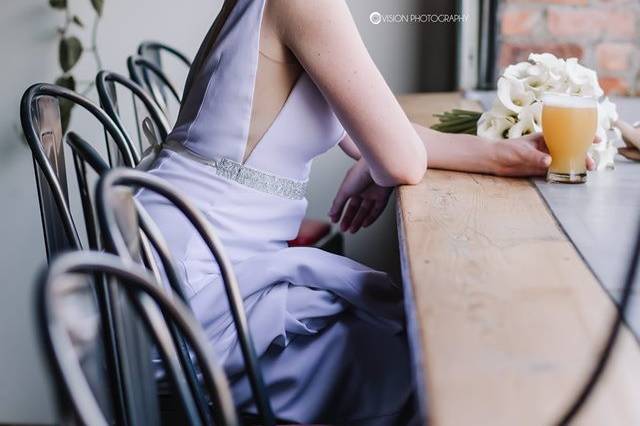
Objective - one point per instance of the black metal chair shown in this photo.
(156, 53)
(69, 328)
(115, 180)
(152, 125)
(41, 124)
(153, 50)
(162, 55)
(151, 76)
(139, 250)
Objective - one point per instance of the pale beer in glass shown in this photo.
(569, 126)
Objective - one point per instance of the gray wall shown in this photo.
(28, 51)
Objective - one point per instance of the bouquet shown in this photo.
(517, 108)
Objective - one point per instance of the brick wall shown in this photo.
(603, 34)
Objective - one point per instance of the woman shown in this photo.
(274, 84)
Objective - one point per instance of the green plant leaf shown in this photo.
(77, 21)
(58, 4)
(65, 114)
(66, 106)
(70, 52)
(98, 5)
(66, 81)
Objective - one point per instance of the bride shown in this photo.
(276, 83)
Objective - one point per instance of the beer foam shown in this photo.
(568, 101)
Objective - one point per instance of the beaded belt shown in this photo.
(245, 175)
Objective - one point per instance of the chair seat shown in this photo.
(311, 232)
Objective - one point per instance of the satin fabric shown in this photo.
(329, 331)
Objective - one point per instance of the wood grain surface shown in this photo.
(505, 317)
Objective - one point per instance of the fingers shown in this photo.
(539, 142)
(350, 213)
(539, 164)
(539, 159)
(363, 213)
(375, 213)
(338, 206)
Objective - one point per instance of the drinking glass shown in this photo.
(569, 124)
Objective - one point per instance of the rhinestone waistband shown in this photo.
(245, 175)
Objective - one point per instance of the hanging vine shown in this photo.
(71, 49)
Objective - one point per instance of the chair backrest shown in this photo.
(138, 249)
(153, 49)
(41, 124)
(151, 76)
(156, 52)
(69, 326)
(42, 128)
(115, 241)
(152, 126)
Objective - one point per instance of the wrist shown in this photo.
(494, 164)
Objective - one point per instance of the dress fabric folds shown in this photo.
(329, 331)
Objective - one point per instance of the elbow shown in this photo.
(414, 177)
(410, 175)
(413, 171)
(410, 172)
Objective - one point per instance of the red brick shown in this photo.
(614, 86)
(576, 2)
(590, 22)
(517, 21)
(614, 56)
(511, 53)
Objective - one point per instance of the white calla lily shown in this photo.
(548, 61)
(493, 125)
(519, 71)
(583, 81)
(517, 110)
(528, 121)
(513, 94)
(607, 114)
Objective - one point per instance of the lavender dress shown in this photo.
(328, 331)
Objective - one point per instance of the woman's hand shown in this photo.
(525, 156)
(366, 200)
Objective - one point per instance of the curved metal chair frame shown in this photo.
(40, 117)
(85, 152)
(157, 47)
(136, 281)
(105, 80)
(42, 159)
(114, 239)
(139, 70)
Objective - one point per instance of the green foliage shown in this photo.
(98, 5)
(76, 20)
(70, 51)
(58, 4)
(458, 121)
(65, 106)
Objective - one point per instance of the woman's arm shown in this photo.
(525, 156)
(349, 147)
(324, 38)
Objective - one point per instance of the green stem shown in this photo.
(94, 42)
(454, 129)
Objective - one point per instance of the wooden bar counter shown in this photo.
(505, 318)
